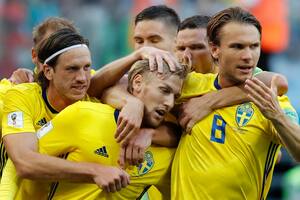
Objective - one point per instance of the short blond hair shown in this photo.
(142, 67)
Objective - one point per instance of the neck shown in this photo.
(214, 69)
(224, 82)
(57, 101)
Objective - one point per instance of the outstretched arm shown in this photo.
(112, 72)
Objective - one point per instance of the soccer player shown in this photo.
(27, 107)
(192, 46)
(192, 49)
(40, 32)
(91, 139)
(233, 149)
(154, 38)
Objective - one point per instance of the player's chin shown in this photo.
(77, 96)
(154, 122)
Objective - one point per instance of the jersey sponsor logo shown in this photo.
(42, 122)
(44, 130)
(102, 152)
(243, 114)
(146, 166)
(15, 119)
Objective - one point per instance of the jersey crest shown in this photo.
(146, 166)
(243, 114)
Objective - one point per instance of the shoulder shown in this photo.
(197, 84)
(26, 88)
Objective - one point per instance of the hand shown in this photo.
(186, 60)
(134, 152)
(111, 179)
(264, 98)
(22, 75)
(130, 120)
(156, 57)
(193, 111)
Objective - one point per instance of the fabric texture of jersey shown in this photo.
(230, 154)
(85, 131)
(26, 109)
(5, 85)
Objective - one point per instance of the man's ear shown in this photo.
(214, 50)
(48, 71)
(137, 83)
(34, 57)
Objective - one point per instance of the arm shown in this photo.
(266, 100)
(112, 72)
(205, 104)
(21, 75)
(166, 135)
(22, 149)
(281, 81)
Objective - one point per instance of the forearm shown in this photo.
(110, 74)
(167, 135)
(281, 81)
(226, 97)
(43, 167)
(289, 134)
(116, 96)
(23, 151)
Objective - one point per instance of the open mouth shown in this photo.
(245, 69)
(160, 112)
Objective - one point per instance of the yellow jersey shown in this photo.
(230, 154)
(84, 132)
(5, 85)
(25, 109)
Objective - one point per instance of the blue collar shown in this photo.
(216, 83)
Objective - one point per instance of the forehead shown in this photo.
(147, 28)
(235, 32)
(191, 36)
(76, 56)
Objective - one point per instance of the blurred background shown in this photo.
(108, 26)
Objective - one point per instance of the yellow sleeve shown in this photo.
(196, 84)
(18, 108)
(288, 109)
(5, 85)
(93, 72)
(59, 136)
(9, 182)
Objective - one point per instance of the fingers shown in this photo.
(183, 121)
(159, 61)
(125, 133)
(125, 179)
(190, 125)
(254, 96)
(274, 82)
(129, 154)
(112, 186)
(152, 63)
(116, 181)
(21, 75)
(135, 156)
(122, 157)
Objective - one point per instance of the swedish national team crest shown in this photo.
(146, 166)
(243, 114)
